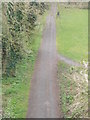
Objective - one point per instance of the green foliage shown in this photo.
(16, 89)
(18, 18)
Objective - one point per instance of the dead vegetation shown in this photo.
(74, 90)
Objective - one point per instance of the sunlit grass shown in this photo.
(72, 33)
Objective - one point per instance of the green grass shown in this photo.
(72, 33)
(16, 89)
(72, 42)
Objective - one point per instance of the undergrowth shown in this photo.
(73, 82)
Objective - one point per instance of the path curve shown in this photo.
(44, 95)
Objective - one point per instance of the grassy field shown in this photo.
(16, 89)
(72, 33)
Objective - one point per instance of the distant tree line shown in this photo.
(17, 18)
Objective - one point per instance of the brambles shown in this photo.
(74, 90)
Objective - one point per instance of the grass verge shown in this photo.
(16, 89)
(73, 91)
(72, 33)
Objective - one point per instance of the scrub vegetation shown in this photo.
(73, 83)
(22, 28)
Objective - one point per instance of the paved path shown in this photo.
(43, 101)
(68, 61)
